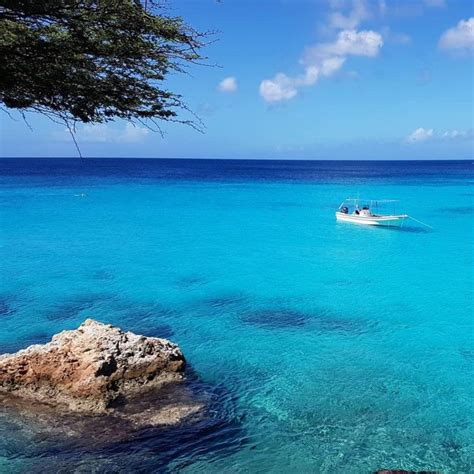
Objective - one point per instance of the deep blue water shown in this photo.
(321, 346)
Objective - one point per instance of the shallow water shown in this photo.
(325, 347)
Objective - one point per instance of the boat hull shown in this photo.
(391, 221)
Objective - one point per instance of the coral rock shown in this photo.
(86, 369)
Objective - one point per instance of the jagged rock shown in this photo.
(87, 369)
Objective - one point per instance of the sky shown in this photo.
(302, 79)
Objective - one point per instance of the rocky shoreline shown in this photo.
(99, 369)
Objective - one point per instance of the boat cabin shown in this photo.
(356, 210)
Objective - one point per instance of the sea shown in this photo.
(321, 346)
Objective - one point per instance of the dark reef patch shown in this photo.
(36, 338)
(190, 281)
(286, 204)
(150, 329)
(468, 354)
(276, 318)
(77, 304)
(459, 210)
(326, 324)
(348, 282)
(149, 319)
(10, 347)
(140, 312)
(322, 322)
(451, 445)
(24, 342)
(6, 307)
(224, 300)
(102, 275)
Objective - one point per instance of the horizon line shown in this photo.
(228, 159)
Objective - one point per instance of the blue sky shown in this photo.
(304, 79)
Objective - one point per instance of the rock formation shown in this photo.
(89, 368)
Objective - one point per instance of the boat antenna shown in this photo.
(419, 222)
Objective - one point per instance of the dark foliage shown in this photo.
(92, 60)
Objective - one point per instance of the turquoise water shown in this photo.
(327, 347)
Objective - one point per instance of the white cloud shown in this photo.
(424, 134)
(131, 134)
(456, 134)
(331, 65)
(459, 38)
(229, 84)
(400, 38)
(93, 133)
(323, 59)
(326, 59)
(420, 135)
(104, 133)
(348, 42)
(281, 87)
(395, 38)
(359, 13)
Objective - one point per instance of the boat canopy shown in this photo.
(370, 202)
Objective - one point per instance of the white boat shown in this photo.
(358, 211)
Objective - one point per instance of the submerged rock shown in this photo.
(401, 471)
(92, 368)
